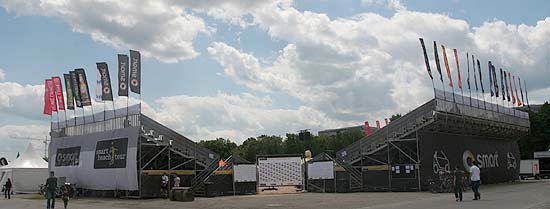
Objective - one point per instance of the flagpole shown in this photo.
(127, 101)
(74, 114)
(469, 89)
(104, 116)
(66, 124)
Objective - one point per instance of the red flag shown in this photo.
(458, 69)
(51, 95)
(47, 104)
(511, 88)
(58, 88)
(377, 124)
(386, 120)
(367, 128)
(447, 66)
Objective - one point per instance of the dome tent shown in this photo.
(26, 172)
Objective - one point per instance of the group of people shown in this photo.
(165, 183)
(51, 192)
(475, 178)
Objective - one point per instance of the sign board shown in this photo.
(244, 173)
(67, 156)
(111, 153)
(320, 170)
(280, 171)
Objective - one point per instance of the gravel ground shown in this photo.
(526, 195)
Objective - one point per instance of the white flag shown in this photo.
(98, 89)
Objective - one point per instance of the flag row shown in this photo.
(77, 90)
(368, 130)
(508, 83)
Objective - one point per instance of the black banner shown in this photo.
(111, 153)
(437, 64)
(498, 159)
(76, 88)
(67, 157)
(426, 60)
(83, 87)
(69, 91)
(135, 73)
(123, 75)
(106, 90)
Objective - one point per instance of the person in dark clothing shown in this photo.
(7, 189)
(51, 190)
(458, 177)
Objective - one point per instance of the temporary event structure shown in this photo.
(26, 172)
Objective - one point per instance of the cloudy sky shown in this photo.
(241, 68)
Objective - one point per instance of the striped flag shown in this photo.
(458, 70)
(447, 66)
(426, 60)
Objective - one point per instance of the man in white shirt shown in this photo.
(475, 178)
(176, 181)
(164, 185)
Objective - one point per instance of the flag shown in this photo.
(521, 90)
(58, 89)
(426, 60)
(51, 95)
(135, 73)
(69, 91)
(520, 102)
(502, 85)
(506, 84)
(468, 78)
(491, 85)
(122, 75)
(76, 88)
(447, 66)
(83, 87)
(98, 92)
(437, 64)
(480, 77)
(377, 124)
(107, 93)
(458, 70)
(17, 155)
(367, 128)
(47, 102)
(511, 87)
(495, 80)
(474, 67)
(386, 120)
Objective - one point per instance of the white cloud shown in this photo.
(156, 28)
(21, 100)
(236, 117)
(369, 66)
(2, 75)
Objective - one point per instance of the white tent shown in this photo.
(26, 172)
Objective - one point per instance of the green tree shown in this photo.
(224, 147)
(539, 135)
(395, 117)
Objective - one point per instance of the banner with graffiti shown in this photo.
(441, 153)
(67, 156)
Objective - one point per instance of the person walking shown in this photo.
(7, 189)
(67, 190)
(51, 190)
(476, 179)
(458, 176)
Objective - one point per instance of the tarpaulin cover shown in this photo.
(99, 161)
